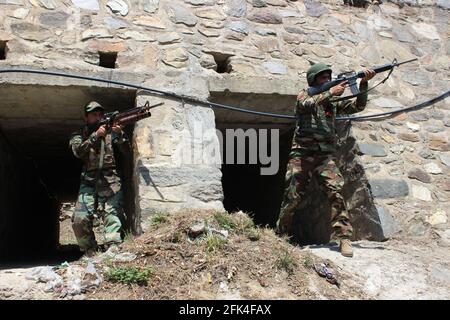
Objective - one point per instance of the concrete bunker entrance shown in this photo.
(244, 187)
(38, 170)
(261, 195)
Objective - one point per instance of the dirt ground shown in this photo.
(396, 269)
(240, 268)
(211, 255)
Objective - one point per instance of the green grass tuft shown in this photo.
(285, 262)
(214, 243)
(225, 221)
(128, 237)
(308, 263)
(253, 234)
(129, 275)
(159, 218)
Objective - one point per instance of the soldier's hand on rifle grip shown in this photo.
(101, 131)
(338, 89)
(369, 75)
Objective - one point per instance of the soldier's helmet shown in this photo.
(314, 71)
(93, 106)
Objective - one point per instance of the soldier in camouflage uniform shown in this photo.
(99, 180)
(312, 151)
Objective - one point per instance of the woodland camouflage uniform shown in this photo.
(87, 147)
(313, 146)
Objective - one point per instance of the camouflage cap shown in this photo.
(314, 70)
(92, 106)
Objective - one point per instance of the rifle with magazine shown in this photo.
(352, 76)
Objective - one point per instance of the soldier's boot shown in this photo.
(346, 248)
(112, 247)
(90, 252)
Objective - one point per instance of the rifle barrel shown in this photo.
(134, 118)
(407, 61)
(386, 67)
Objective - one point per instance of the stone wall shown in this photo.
(173, 155)
(260, 46)
(407, 162)
(274, 38)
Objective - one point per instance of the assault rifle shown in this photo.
(352, 76)
(123, 118)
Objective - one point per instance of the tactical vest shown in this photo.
(91, 163)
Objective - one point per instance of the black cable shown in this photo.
(394, 112)
(223, 106)
(155, 91)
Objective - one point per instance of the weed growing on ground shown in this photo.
(285, 262)
(129, 275)
(159, 218)
(214, 243)
(128, 237)
(225, 221)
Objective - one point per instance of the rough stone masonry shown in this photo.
(258, 47)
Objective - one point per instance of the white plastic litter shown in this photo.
(125, 257)
(42, 274)
(47, 276)
(91, 277)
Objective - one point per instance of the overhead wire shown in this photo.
(210, 104)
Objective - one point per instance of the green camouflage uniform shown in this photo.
(313, 146)
(110, 197)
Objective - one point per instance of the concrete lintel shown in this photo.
(50, 80)
(185, 82)
(262, 85)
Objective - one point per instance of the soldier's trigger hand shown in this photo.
(101, 132)
(338, 89)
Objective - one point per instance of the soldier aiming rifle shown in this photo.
(101, 185)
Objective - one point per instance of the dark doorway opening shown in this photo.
(38, 133)
(3, 50)
(244, 187)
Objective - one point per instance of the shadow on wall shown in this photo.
(125, 165)
(312, 220)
